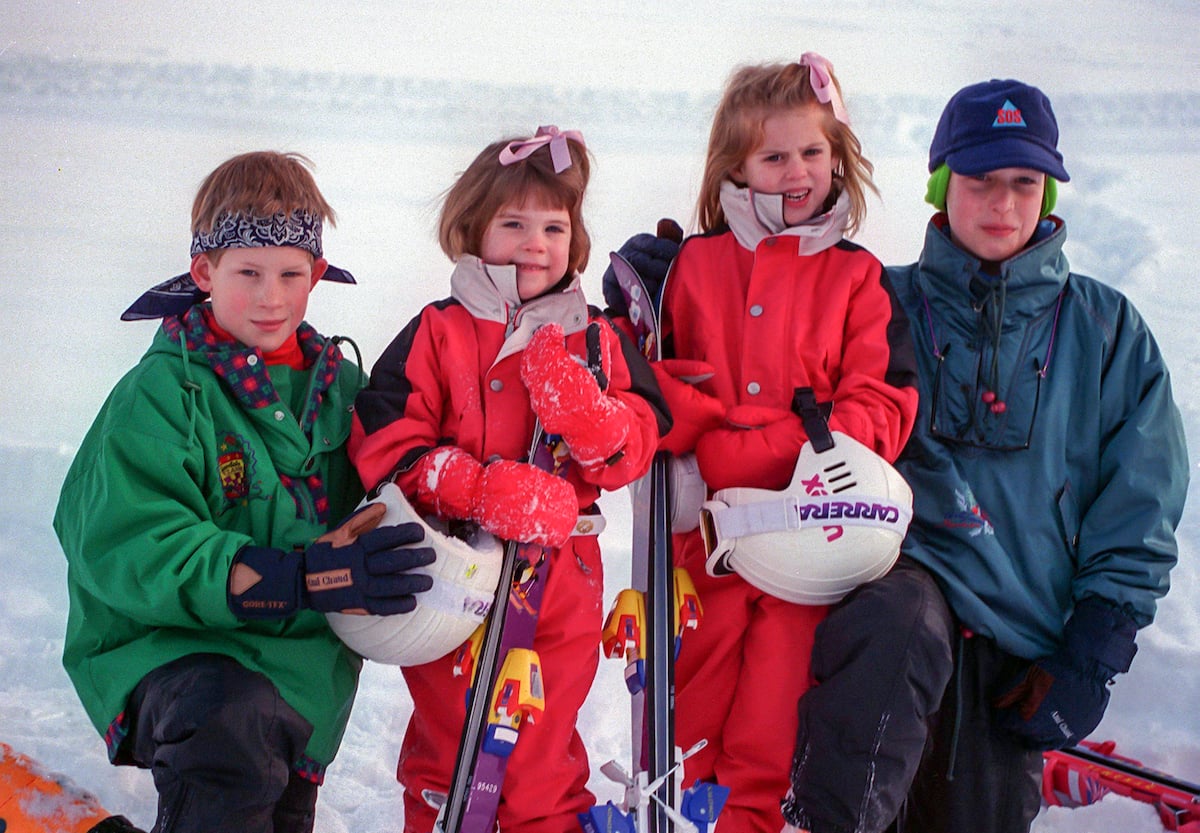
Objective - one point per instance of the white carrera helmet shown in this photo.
(839, 523)
(465, 575)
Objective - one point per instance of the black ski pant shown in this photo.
(880, 664)
(975, 776)
(885, 743)
(220, 743)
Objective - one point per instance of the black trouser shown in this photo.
(877, 723)
(975, 776)
(220, 742)
(880, 662)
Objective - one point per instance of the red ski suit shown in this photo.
(772, 313)
(452, 377)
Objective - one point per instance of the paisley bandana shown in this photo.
(300, 229)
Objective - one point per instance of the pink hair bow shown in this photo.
(560, 154)
(820, 74)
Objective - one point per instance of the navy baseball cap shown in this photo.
(998, 124)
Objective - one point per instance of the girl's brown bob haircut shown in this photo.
(486, 186)
(752, 95)
(262, 184)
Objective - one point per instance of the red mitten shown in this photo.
(568, 400)
(756, 447)
(448, 482)
(693, 411)
(520, 502)
(515, 501)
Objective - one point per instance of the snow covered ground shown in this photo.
(110, 115)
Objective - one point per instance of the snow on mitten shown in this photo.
(757, 446)
(514, 501)
(520, 502)
(448, 482)
(569, 401)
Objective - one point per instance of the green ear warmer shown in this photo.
(935, 191)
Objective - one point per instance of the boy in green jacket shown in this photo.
(200, 523)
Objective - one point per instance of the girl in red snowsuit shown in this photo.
(772, 298)
(449, 415)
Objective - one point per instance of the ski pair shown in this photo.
(645, 627)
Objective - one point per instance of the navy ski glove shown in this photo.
(1061, 698)
(356, 568)
(651, 256)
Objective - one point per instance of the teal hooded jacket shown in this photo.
(1048, 461)
(198, 451)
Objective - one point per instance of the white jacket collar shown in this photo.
(490, 293)
(753, 217)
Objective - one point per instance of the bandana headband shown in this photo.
(550, 135)
(820, 75)
(300, 229)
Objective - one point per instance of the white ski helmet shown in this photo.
(465, 575)
(839, 523)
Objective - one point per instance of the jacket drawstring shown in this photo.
(988, 299)
(959, 650)
(339, 340)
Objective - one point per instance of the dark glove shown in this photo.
(1060, 699)
(651, 256)
(356, 568)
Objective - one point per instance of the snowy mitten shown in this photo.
(569, 401)
(448, 483)
(1058, 700)
(520, 502)
(693, 412)
(757, 446)
(514, 501)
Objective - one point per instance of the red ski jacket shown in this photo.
(795, 311)
(452, 376)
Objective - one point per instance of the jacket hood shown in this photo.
(243, 369)
(490, 293)
(753, 217)
(949, 276)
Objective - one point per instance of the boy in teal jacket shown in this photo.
(1049, 472)
(195, 522)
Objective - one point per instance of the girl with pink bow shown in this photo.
(773, 299)
(449, 415)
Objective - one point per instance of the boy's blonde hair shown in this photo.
(753, 94)
(260, 184)
(486, 186)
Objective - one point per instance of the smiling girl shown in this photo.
(449, 415)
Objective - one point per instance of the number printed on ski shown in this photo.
(507, 688)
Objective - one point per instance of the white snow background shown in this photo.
(111, 113)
